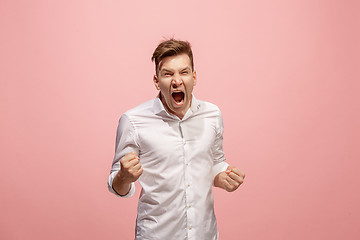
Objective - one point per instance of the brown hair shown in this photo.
(169, 48)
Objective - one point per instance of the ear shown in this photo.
(194, 77)
(156, 82)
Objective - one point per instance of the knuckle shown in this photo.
(123, 160)
(126, 165)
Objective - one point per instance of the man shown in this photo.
(173, 146)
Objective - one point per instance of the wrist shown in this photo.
(121, 186)
(121, 179)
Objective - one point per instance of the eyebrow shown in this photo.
(165, 70)
(168, 70)
(187, 68)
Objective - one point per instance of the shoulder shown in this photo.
(208, 107)
(132, 117)
(145, 108)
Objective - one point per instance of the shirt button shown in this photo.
(190, 227)
(188, 184)
(189, 205)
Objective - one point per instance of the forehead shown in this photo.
(180, 61)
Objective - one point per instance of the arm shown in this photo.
(125, 159)
(230, 179)
(226, 177)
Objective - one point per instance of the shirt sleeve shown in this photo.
(217, 148)
(126, 142)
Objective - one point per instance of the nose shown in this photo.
(176, 81)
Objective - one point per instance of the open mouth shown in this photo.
(178, 96)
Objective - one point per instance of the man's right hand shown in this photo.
(130, 171)
(130, 168)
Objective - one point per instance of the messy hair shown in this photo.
(169, 48)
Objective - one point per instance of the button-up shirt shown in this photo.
(180, 158)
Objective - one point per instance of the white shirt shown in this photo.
(180, 159)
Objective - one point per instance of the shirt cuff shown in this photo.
(218, 168)
(110, 181)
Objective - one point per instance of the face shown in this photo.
(176, 80)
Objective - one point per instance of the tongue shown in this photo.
(178, 96)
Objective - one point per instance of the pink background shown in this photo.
(285, 74)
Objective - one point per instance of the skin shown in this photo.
(175, 75)
(230, 179)
(130, 171)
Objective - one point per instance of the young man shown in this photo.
(173, 146)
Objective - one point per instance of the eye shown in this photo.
(184, 72)
(167, 74)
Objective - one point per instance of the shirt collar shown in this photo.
(159, 108)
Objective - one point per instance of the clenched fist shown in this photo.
(230, 179)
(130, 167)
(130, 171)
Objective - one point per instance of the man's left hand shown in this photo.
(230, 179)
